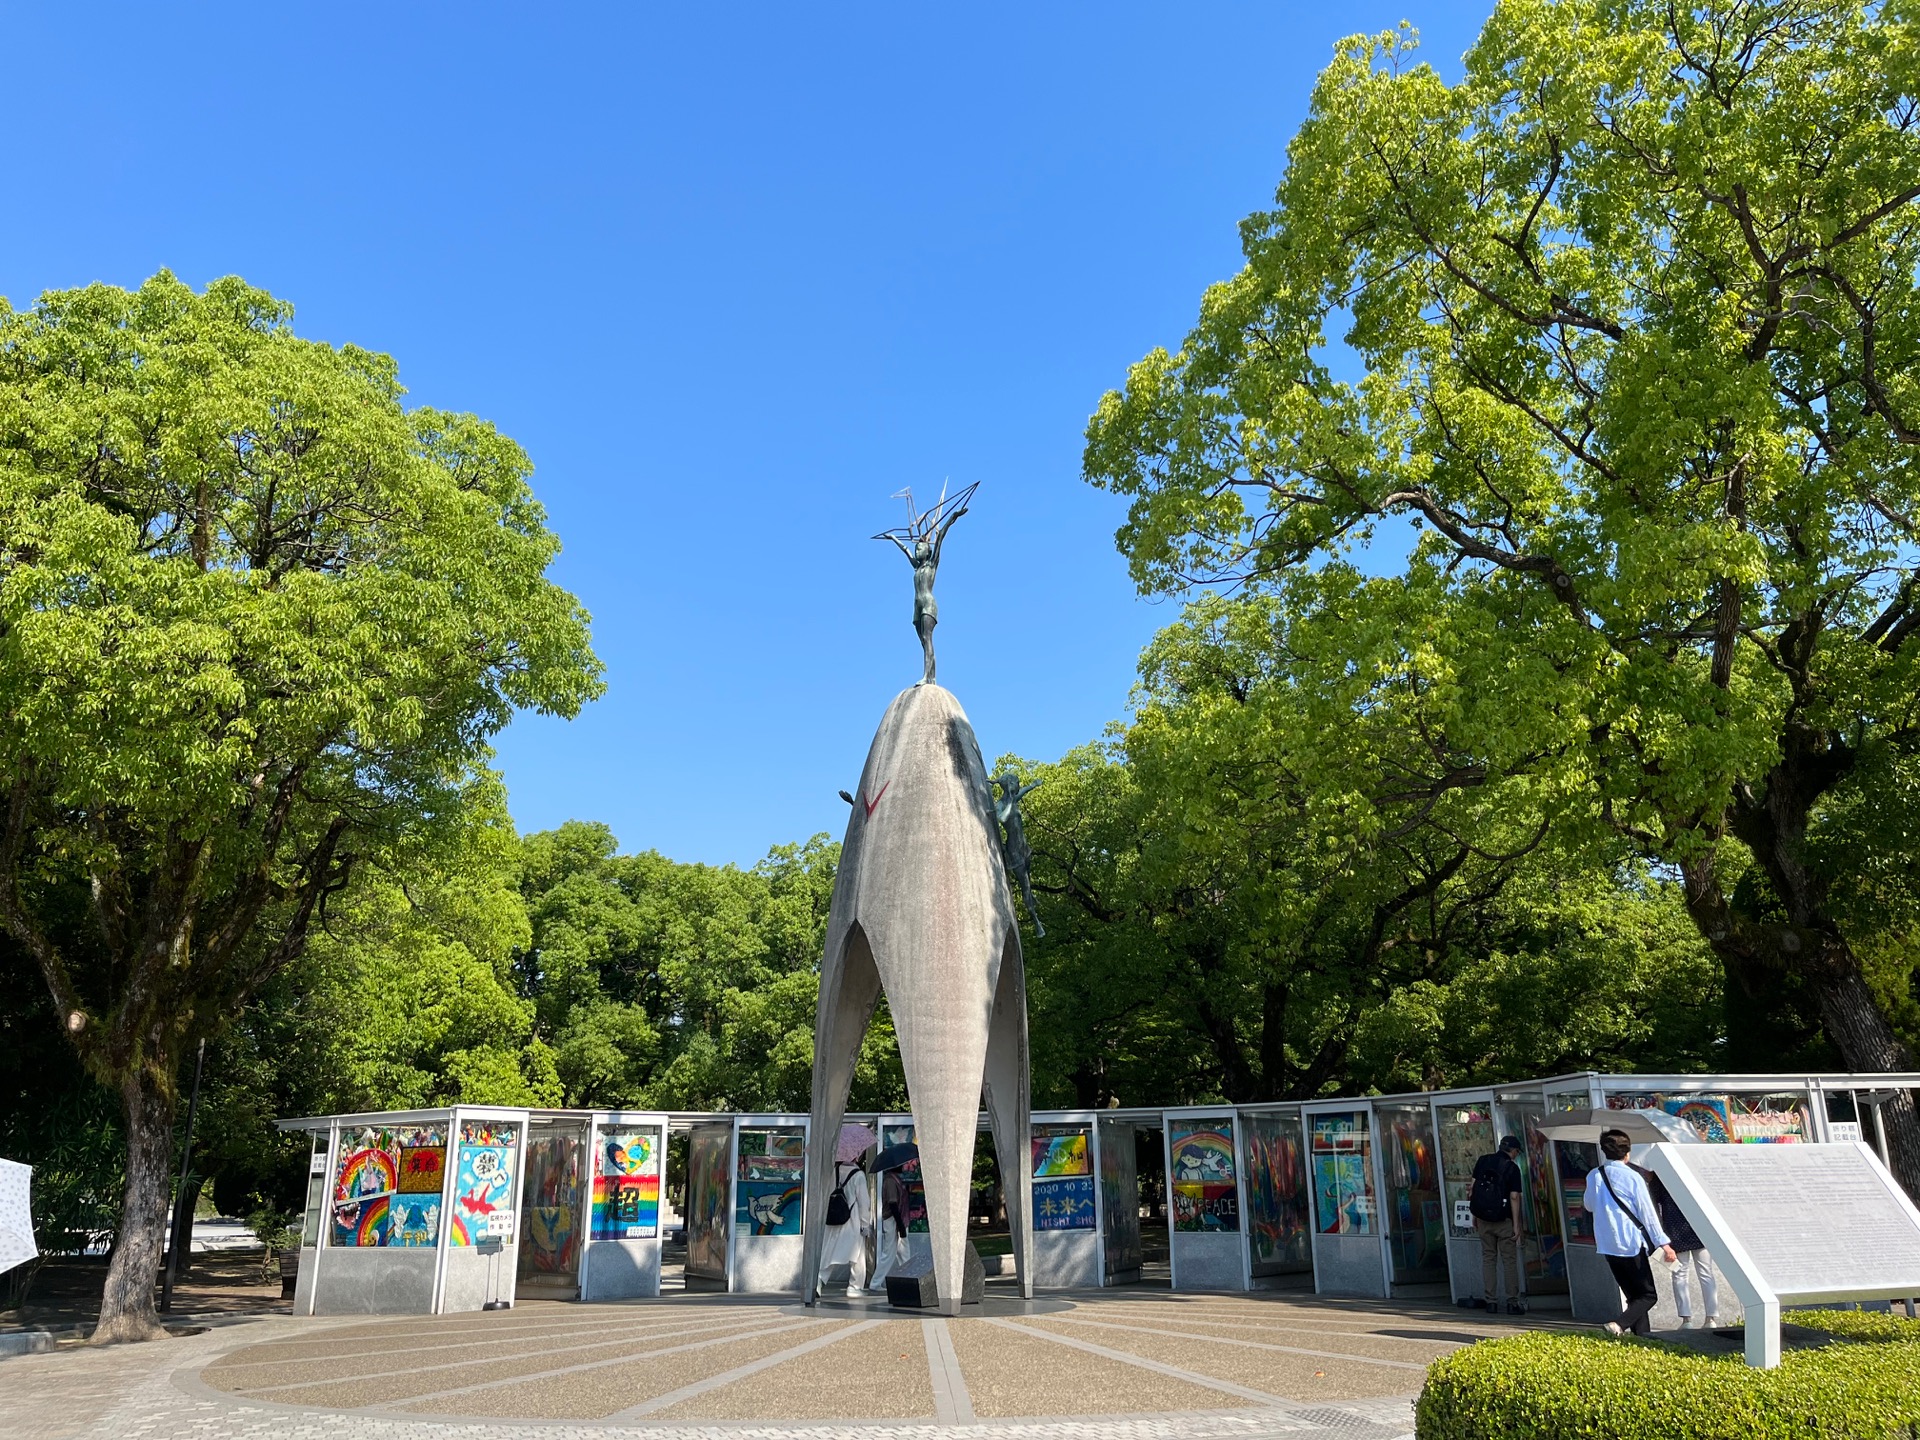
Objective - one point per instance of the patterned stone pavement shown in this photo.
(1125, 1365)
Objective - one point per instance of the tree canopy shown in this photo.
(257, 621)
(1625, 324)
(1308, 865)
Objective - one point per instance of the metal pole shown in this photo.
(180, 1191)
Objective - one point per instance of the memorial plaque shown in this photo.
(1814, 1219)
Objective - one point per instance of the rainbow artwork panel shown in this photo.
(1203, 1192)
(626, 1184)
(1062, 1153)
(364, 1182)
(1202, 1151)
(386, 1189)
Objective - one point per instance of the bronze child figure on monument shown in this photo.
(920, 540)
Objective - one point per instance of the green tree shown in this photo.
(1291, 872)
(683, 986)
(257, 621)
(1626, 324)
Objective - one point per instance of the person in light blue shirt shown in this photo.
(1626, 1229)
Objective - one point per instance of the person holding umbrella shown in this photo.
(849, 1210)
(891, 1248)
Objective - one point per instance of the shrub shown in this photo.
(1857, 1324)
(1588, 1387)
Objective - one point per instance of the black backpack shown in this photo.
(1488, 1198)
(839, 1208)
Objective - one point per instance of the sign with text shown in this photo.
(1796, 1223)
(1815, 1219)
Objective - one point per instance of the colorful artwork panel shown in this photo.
(1277, 1194)
(1706, 1114)
(769, 1207)
(1203, 1206)
(1061, 1154)
(489, 1132)
(1340, 1130)
(423, 1169)
(626, 1207)
(1770, 1119)
(629, 1152)
(626, 1184)
(361, 1223)
(414, 1220)
(1065, 1203)
(707, 1212)
(774, 1157)
(1343, 1194)
(482, 1187)
(551, 1239)
(365, 1173)
(1202, 1151)
(378, 1165)
(1575, 1158)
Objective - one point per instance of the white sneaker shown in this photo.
(1613, 1329)
(1712, 1322)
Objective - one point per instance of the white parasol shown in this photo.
(16, 1215)
(1643, 1127)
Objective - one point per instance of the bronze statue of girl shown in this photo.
(920, 540)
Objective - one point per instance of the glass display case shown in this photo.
(1279, 1199)
(1340, 1146)
(1466, 1134)
(1410, 1171)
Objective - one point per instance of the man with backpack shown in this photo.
(1495, 1203)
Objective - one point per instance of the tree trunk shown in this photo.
(1756, 952)
(1854, 1023)
(127, 1303)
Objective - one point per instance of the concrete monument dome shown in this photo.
(922, 910)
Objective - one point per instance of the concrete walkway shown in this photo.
(1132, 1366)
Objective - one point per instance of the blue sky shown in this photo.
(733, 276)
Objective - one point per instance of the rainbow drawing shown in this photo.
(1060, 1155)
(1202, 1151)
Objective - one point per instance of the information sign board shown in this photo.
(1805, 1223)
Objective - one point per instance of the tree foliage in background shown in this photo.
(680, 986)
(1312, 864)
(1635, 305)
(257, 620)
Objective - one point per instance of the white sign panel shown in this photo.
(1801, 1223)
(1815, 1219)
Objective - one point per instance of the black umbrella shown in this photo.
(894, 1156)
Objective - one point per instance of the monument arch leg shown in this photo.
(1009, 1104)
(849, 990)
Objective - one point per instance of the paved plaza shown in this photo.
(1142, 1364)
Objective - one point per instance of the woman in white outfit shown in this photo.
(846, 1243)
(1691, 1250)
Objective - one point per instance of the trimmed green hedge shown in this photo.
(1857, 1324)
(1560, 1386)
